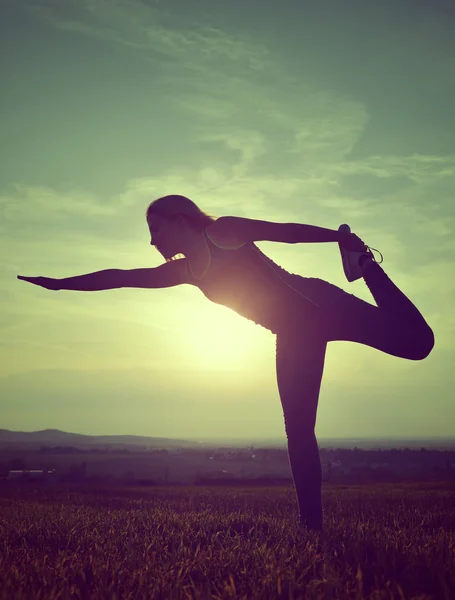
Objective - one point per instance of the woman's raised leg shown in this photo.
(395, 326)
(390, 298)
(300, 354)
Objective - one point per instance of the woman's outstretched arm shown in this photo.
(91, 282)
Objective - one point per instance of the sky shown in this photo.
(309, 112)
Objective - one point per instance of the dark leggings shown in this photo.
(394, 326)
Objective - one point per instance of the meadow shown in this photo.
(190, 542)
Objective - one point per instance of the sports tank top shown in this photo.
(250, 283)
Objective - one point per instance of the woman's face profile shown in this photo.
(155, 228)
(162, 235)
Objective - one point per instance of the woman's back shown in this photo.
(249, 282)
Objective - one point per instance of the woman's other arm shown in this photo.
(234, 231)
(169, 274)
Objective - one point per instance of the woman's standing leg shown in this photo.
(300, 358)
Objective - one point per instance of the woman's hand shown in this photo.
(46, 282)
(350, 241)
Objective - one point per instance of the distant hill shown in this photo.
(55, 437)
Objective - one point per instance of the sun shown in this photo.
(216, 338)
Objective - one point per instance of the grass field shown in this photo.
(383, 541)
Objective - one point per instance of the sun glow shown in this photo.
(217, 339)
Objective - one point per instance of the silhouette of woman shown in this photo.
(305, 313)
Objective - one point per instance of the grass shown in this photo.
(198, 542)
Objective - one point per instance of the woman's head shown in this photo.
(170, 219)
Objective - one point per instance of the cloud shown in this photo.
(138, 25)
(34, 203)
(419, 168)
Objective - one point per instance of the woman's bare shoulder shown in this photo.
(224, 233)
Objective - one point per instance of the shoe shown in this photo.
(350, 258)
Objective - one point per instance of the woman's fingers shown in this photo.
(360, 244)
(353, 242)
(29, 279)
(46, 282)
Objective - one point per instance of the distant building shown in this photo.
(30, 475)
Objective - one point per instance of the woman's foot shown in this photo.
(350, 258)
(354, 261)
